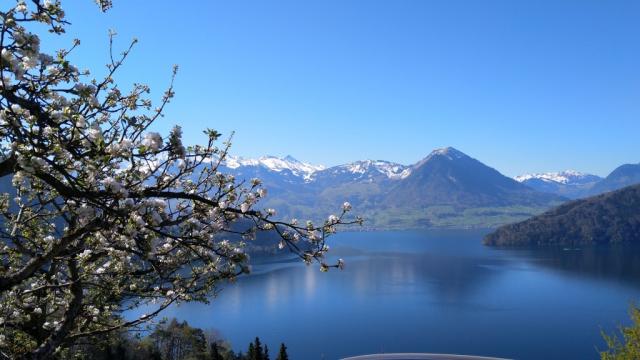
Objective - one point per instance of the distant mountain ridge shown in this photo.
(569, 183)
(567, 177)
(575, 185)
(361, 169)
(624, 175)
(446, 188)
(276, 164)
(366, 169)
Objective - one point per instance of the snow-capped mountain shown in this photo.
(437, 191)
(449, 177)
(365, 170)
(449, 153)
(567, 177)
(569, 183)
(276, 164)
(355, 171)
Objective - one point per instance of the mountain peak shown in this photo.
(448, 151)
(449, 177)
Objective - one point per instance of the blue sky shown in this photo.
(521, 85)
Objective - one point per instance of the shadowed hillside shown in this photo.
(612, 217)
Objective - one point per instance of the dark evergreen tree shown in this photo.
(258, 348)
(251, 352)
(266, 352)
(282, 354)
(214, 352)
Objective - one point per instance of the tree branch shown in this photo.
(47, 348)
(35, 263)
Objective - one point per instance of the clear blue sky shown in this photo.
(523, 86)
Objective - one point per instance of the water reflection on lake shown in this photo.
(430, 291)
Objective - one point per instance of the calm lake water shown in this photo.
(430, 291)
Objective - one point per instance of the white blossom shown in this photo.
(244, 207)
(94, 134)
(152, 141)
(112, 184)
(80, 122)
(126, 144)
(29, 62)
(128, 209)
(85, 254)
(21, 7)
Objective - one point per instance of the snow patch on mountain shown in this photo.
(566, 177)
(389, 169)
(273, 163)
(448, 152)
(306, 171)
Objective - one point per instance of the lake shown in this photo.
(429, 291)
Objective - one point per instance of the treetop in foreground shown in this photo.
(99, 214)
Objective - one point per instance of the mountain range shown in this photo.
(445, 189)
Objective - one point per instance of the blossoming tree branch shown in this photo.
(103, 216)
